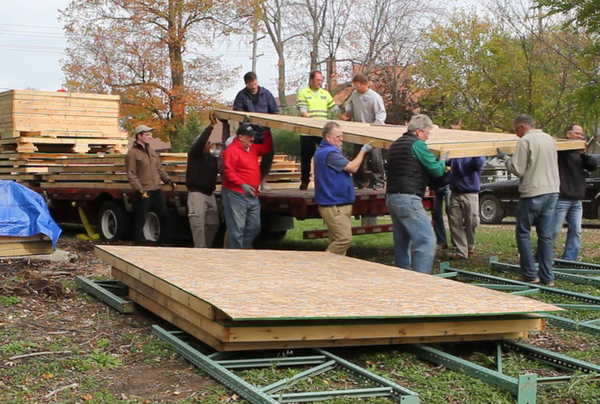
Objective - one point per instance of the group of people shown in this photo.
(551, 186)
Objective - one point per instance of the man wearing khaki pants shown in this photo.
(334, 188)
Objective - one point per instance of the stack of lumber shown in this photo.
(108, 171)
(60, 122)
(21, 246)
(248, 299)
(460, 143)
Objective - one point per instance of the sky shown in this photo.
(32, 44)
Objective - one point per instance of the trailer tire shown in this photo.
(113, 221)
(490, 209)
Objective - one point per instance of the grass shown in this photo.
(440, 385)
(95, 359)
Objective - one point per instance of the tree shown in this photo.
(484, 71)
(148, 51)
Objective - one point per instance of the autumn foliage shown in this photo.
(151, 53)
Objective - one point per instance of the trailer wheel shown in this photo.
(113, 221)
(490, 209)
(152, 227)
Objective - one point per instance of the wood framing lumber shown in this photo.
(213, 342)
(311, 285)
(384, 135)
(17, 249)
(314, 331)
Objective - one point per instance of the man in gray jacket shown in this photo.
(535, 162)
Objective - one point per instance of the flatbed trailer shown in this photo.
(111, 210)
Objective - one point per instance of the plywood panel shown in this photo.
(458, 142)
(261, 284)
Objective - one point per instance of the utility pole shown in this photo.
(255, 40)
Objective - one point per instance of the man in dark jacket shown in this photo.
(145, 172)
(258, 99)
(465, 184)
(571, 168)
(201, 182)
(410, 163)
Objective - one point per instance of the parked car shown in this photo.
(499, 199)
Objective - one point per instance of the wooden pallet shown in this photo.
(313, 300)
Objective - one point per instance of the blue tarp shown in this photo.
(24, 213)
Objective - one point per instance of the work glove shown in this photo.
(172, 184)
(445, 157)
(249, 190)
(501, 154)
(216, 152)
(367, 148)
(144, 194)
(212, 117)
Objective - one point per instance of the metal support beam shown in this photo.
(224, 376)
(290, 381)
(268, 394)
(575, 264)
(479, 277)
(400, 393)
(325, 395)
(271, 362)
(553, 358)
(524, 388)
(99, 289)
(577, 279)
(526, 292)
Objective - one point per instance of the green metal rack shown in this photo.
(110, 292)
(573, 275)
(218, 365)
(523, 387)
(565, 264)
(589, 302)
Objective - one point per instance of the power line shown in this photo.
(29, 26)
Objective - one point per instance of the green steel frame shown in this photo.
(589, 302)
(563, 274)
(564, 264)
(218, 365)
(523, 387)
(110, 292)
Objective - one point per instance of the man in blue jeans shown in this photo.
(535, 163)
(571, 167)
(239, 190)
(410, 163)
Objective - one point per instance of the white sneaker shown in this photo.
(264, 187)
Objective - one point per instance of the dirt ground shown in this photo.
(42, 310)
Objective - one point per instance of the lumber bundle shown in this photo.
(22, 246)
(250, 299)
(108, 171)
(460, 143)
(60, 122)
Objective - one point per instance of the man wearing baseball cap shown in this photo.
(239, 190)
(145, 172)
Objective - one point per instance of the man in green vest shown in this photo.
(313, 102)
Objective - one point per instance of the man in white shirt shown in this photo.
(365, 105)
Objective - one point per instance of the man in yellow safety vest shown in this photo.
(313, 102)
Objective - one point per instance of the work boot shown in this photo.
(264, 187)
(534, 281)
(304, 186)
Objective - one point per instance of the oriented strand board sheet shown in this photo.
(282, 285)
(460, 143)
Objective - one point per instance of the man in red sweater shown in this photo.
(240, 186)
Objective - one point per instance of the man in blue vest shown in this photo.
(334, 188)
